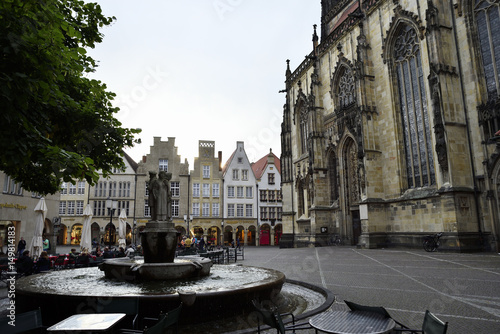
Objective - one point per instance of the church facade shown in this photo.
(390, 126)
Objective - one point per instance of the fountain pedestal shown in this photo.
(159, 241)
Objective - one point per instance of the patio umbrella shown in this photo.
(36, 244)
(86, 240)
(122, 229)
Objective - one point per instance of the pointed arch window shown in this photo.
(303, 129)
(414, 115)
(332, 177)
(351, 173)
(346, 88)
(487, 14)
(301, 207)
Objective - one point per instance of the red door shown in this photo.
(264, 237)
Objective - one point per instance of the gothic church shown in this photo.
(391, 126)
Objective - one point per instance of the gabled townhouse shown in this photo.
(268, 175)
(163, 157)
(240, 199)
(108, 198)
(205, 216)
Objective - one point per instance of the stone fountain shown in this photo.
(157, 282)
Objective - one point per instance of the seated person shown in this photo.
(121, 252)
(24, 264)
(107, 253)
(130, 251)
(72, 256)
(83, 259)
(43, 263)
(139, 250)
(97, 252)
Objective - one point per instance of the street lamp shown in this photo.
(222, 233)
(111, 204)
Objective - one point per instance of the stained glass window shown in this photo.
(303, 129)
(332, 176)
(416, 129)
(346, 88)
(487, 13)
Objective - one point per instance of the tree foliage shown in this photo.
(56, 124)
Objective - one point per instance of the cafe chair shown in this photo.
(431, 325)
(168, 320)
(81, 261)
(240, 252)
(171, 319)
(129, 306)
(59, 262)
(374, 309)
(27, 322)
(274, 319)
(157, 328)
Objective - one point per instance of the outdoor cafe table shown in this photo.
(87, 323)
(351, 322)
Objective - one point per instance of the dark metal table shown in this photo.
(352, 322)
(87, 323)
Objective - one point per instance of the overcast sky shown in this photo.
(204, 69)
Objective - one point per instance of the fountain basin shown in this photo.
(135, 269)
(226, 292)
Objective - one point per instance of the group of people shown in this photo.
(26, 265)
(21, 246)
(187, 242)
(109, 253)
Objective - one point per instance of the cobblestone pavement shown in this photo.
(463, 289)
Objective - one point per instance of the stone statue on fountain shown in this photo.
(160, 199)
(159, 238)
(153, 180)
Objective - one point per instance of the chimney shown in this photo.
(220, 160)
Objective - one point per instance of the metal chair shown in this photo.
(374, 309)
(30, 321)
(157, 328)
(274, 319)
(129, 306)
(172, 318)
(240, 252)
(59, 262)
(166, 320)
(431, 325)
